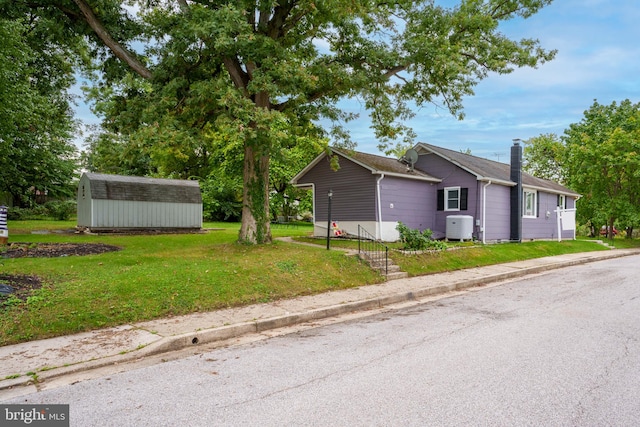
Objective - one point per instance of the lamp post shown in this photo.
(330, 195)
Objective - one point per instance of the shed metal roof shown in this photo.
(141, 189)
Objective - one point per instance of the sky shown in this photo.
(598, 43)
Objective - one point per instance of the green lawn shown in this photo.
(476, 256)
(163, 275)
(156, 276)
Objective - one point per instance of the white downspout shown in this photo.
(379, 222)
(484, 211)
(575, 207)
(313, 206)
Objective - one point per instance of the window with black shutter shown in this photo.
(453, 199)
(464, 195)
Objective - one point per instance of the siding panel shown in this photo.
(452, 176)
(543, 227)
(497, 223)
(127, 214)
(354, 191)
(413, 202)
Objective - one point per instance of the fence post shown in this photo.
(386, 260)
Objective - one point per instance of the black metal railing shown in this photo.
(372, 250)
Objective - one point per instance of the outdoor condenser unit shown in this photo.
(459, 227)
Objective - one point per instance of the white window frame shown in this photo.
(533, 212)
(447, 191)
(563, 201)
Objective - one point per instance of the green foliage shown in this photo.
(602, 159)
(260, 75)
(23, 214)
(9, 301)
(221, 199)
(543, 157)
(107, 152)
(62, 210)
(415, 240)
(36, 125)
(58, 210)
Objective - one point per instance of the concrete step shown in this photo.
(391, 268)
(385, 267)
(397, 275)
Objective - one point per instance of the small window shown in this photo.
(530, 204)
(452, 198)
(562, 201)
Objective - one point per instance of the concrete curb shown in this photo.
(207, 336)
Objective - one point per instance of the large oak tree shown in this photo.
(244, 68)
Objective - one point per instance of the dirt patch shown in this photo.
(19, 286)
(52, 250)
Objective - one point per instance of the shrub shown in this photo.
(25, 214)
(62, 211)
(221, 199)
(415, 240)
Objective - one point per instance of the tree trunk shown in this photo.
(610, 234)
(255, 227)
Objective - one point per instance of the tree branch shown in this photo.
(184, 7)
(118, 50)
(238, 76)
(394, 71)
(276, 25)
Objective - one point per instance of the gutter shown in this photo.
(484, 211)
(379, 222)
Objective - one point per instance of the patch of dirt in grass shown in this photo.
(21, 286)
(52, 250)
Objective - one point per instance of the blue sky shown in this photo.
(598, 43)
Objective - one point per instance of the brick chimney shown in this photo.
(516, 191)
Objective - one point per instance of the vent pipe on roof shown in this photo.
(516, 191)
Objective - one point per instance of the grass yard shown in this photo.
(155, 276)
(163, 275)
(477, 256)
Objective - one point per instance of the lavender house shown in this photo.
(451, 193)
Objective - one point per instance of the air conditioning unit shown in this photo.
(459, 227)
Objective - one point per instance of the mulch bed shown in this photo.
(52, 250)
(21, 286)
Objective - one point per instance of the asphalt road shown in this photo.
(557, 349)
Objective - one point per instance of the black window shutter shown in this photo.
(440, 200)
(464, 193)
(537, 204)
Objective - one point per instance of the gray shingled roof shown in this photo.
(489, 169)
(139, 189)
(380, 164)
